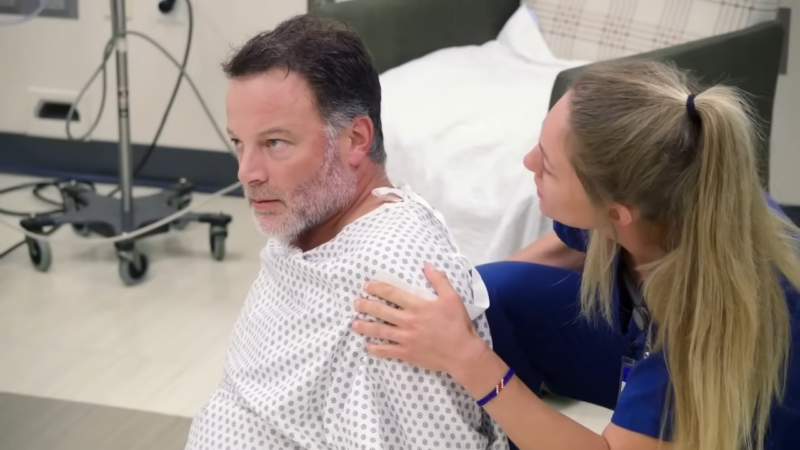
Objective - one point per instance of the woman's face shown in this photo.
(561, 195)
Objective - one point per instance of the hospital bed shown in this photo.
(467, 83)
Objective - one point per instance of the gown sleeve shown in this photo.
(394, 405)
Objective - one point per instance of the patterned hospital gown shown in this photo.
(296, 376)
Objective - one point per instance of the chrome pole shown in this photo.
(118, 23)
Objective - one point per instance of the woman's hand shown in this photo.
(436, 335)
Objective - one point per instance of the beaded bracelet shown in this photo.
(499, 387)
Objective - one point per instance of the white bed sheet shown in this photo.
(457, 124)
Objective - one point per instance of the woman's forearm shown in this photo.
(550, 250)
(529, 422)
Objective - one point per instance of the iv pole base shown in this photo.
(88, 212)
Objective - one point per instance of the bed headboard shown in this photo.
(397, 31)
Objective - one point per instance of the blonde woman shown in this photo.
(662, 232)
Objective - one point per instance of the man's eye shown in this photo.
(272, 143)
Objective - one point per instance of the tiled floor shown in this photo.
(77, 334)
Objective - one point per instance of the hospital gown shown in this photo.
(297, 377)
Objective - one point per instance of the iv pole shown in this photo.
(119, 28)
(90, 212)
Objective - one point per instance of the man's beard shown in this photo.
(331, 190)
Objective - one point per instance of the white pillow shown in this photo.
(457, 124)
(522, 36)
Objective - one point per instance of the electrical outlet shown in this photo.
(46, 111)
(105, 9)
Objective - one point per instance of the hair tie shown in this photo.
(690, 109)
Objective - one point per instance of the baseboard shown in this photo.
(98, 161)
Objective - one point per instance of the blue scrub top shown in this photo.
(641, 403)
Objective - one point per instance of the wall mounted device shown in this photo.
(166, 6)
(63, 9)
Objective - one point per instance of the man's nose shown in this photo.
(252, 168)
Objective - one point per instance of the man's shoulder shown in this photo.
(406, 229)
(400, 240)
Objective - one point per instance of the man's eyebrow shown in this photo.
(274, 130)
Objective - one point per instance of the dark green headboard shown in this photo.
(748, 59)
(397, 31)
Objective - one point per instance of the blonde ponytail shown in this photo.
(715, 297)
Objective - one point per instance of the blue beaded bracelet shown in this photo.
(500, 386)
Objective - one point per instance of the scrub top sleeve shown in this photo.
(575, 238)
(641, 402)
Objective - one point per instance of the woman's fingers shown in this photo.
(440, 283)
(391, 294)
(380, 311)
(377, 330)
(387, 351)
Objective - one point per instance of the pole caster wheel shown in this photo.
(179, 225)
(180, 202)
(132, 267)
(40, 254)
(81, 230)
(217, 236)
(70, 205)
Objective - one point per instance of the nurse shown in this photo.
(668, 290)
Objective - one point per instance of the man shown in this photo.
(303, 111)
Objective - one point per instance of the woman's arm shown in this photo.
(438, 335)
(529, 422)
(550, 250)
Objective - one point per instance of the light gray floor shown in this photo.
(47, 424)
(77, 334)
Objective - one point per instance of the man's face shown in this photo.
(291, 167)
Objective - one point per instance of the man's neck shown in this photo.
(363, 202)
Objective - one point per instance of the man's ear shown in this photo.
(359, 139)
(621, 215)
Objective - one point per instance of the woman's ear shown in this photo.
(359, 139)
(621, 215)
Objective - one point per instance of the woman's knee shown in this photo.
(528, 290)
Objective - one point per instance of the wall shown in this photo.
(785, 164)
(56, 57)
(60, 55)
